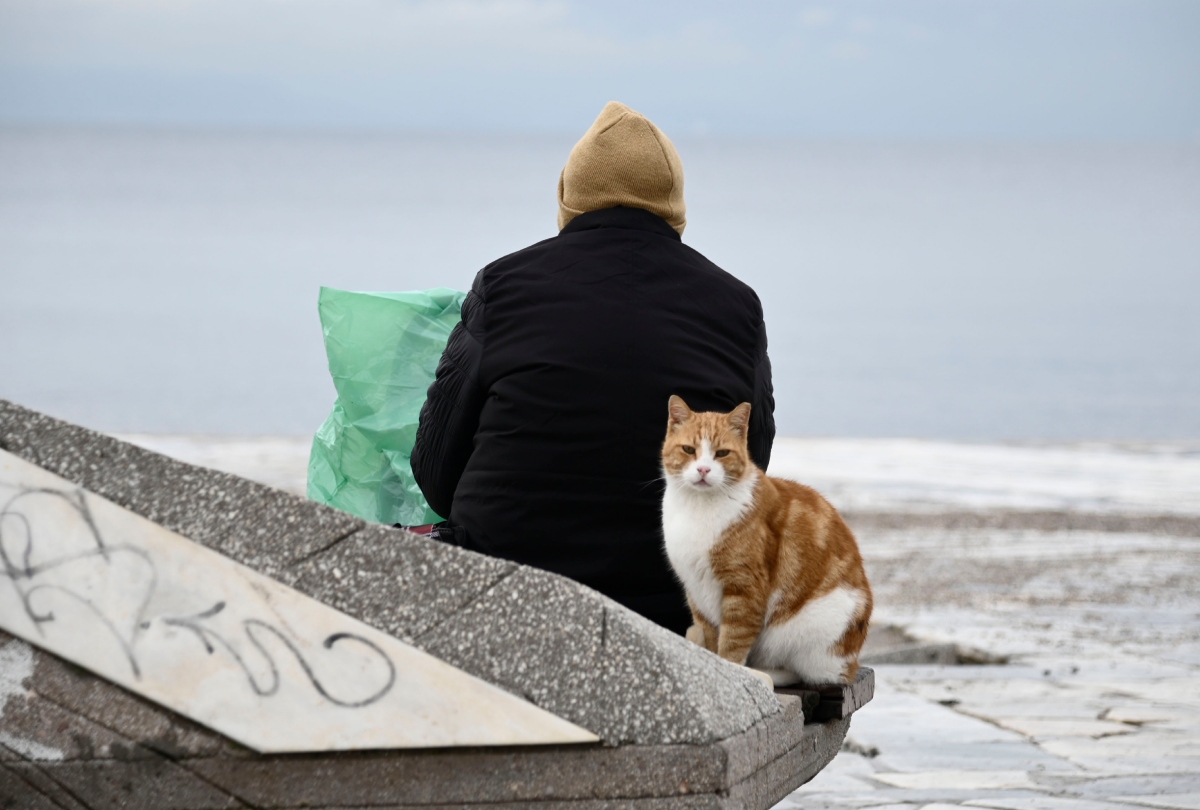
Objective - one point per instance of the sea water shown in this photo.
(167, 281)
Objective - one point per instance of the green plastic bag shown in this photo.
(383, 351)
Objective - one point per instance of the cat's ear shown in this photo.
(678, 410)
(739, 419)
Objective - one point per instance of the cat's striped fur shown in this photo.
(773, 575)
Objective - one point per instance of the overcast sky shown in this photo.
(1107, 69)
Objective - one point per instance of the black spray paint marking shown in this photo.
(18, 567)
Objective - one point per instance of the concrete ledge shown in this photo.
(105, 768)
(680, 727)
(79, 736)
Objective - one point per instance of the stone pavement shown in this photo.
(1098, 707)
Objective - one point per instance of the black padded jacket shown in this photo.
(541, 437)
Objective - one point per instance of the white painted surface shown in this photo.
(219, 643)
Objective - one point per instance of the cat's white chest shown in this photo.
(693, 524)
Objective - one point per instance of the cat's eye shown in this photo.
(687, 448)
(721, 453)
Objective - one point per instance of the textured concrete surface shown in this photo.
(538, 635)
(680, 727)
(260, 527)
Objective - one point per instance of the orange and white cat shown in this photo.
(773, 575)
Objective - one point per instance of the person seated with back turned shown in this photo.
(540, 440)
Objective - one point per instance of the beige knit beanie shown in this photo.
(622, 160)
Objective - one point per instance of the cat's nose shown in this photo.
(703, 471)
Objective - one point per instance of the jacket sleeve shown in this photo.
(762, 408)
(450, 416)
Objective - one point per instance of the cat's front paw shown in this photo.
(695, 634)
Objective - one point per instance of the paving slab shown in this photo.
(1107, 785)
(1184, 690)
(1171, 801)
(908, 733)
(887, 796)
(1058, 727)
(837, 783)
(1141, 714)
(901, 720)
(1142, 744)
(1046, 803)
(849, 774)
(959, 780)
